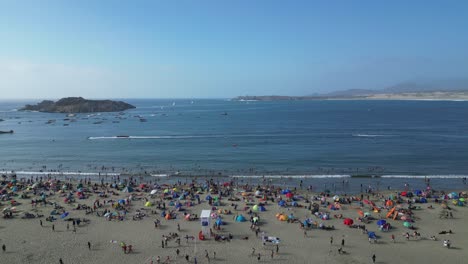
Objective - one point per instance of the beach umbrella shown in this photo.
(381, 222)
(348, 221)
(153, 191)
(64, 215)
(282, 203)
(255, 208)
(372, 235)
(461, 199)
(290, 195)
(285, 191)
(406, 224)
(262, 208)
(121, 201)
(336, 197)
(208, 197)
(187, 217)
(148, 204)
(219, 222)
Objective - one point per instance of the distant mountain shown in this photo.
(455, 85)
(78, 105)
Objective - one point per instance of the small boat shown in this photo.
(98, 122)
(7, 132)
(143, 120)
(123, 136)
(225, 114)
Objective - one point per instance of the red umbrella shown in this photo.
(289, 195)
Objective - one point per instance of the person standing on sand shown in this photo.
(177, 252)
(53, 227)
(393, 238)
(259, 257)
(3, 247)
(373, 258)
(253, 251)
(89, 245)
(277, 249)
(60, 261)
(40, 222)
(342, 242)
(331, 240)
(272, 254)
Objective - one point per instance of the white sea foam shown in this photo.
(448, 176)
(372, 135)
(60, 173)
(159, 175)
(291, 176)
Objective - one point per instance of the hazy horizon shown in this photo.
(212, 49)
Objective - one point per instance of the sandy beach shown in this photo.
(29, 241)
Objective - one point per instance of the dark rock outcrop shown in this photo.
(78, 105)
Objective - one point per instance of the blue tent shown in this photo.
(418, 192)
(294, 203)
(381, 222)
(178, 205)
(122, 201)
(240, 218)
(285, 191)
(208, 197)
(282, 203)
(423, 200)
(64, 215)
(372, 235)
(262, 208)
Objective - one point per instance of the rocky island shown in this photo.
(78, 105)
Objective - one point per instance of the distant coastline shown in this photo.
(421, 96)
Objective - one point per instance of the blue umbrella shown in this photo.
(64, 215)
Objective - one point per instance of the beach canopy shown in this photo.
(381, 222)
(128, 189)
(240, 218)
(348, 221)
(257, 208)
(406, 224)
(283, 217)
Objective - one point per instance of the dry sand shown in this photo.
(27, 242)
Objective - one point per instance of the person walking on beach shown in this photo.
(393, 238)
(259, 257)
(40, 222)
(178, 227)
(177, 252)
(60, 261)
(214, 254)
(342, 242)
(331, 240)
(253, 251)
(3, 247)
(373, 258)
(53, 227)
(277, 249)
(272, 254)
(89, 245)
(68, 226)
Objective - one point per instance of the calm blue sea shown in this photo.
(212, 137)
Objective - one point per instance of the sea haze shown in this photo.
(245, 138)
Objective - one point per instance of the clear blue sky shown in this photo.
(225, 48)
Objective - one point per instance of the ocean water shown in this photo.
(324, 140)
